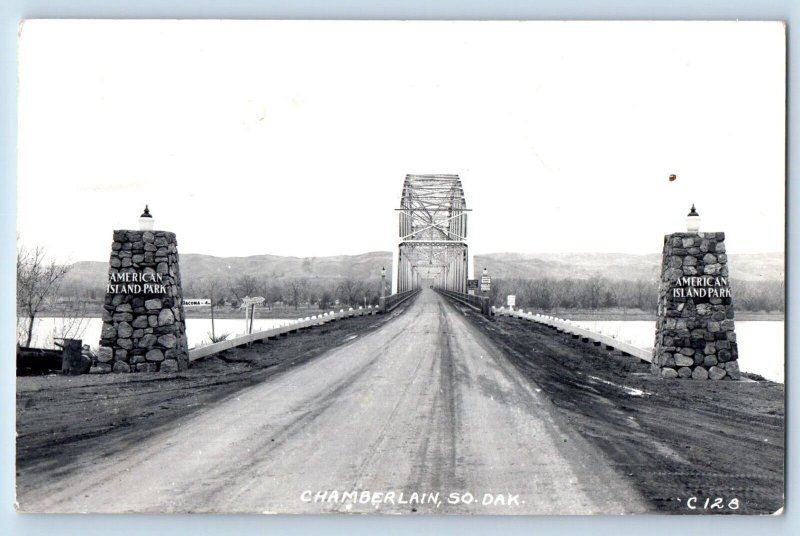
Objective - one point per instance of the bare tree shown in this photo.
(351, 290)
(37, 280)
(325, 300)
(213, 288)
(245, 285)
(594, 289)
(265, 292)
(73, 320)
(297, 288)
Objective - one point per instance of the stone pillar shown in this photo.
(143, 321)
(695, 335)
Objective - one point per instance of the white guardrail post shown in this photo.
(568, 327)
(291, 327)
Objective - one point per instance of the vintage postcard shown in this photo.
(385, 267)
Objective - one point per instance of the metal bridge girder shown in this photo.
(433, 234)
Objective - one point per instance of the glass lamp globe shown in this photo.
(146, 220)
(693, 221)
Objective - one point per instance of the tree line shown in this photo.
(598, 292)
(296, 292)
(542, 294)
(321, 293)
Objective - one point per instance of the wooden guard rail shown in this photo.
(292, 327)
(390, 302)
(566, 326)
(477, 302)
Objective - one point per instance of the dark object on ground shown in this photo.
(72, 358)
(43, 361)
(37, 361)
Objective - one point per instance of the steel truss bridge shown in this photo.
(433, 234)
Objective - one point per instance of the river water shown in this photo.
(197, 329)
(761, 342)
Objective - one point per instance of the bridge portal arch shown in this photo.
(432, 249)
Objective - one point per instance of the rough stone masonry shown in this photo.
(695, 335)
(144, 328)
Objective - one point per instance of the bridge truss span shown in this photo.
(433, 234)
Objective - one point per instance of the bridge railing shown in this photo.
(390, 302)
(477, 302)
(293, 326)
(567, 326)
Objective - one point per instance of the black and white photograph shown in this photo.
(401, 267)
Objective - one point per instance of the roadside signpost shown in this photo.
(246, 301)
(472, 286)
(486, 283)
(249, 306)
(511, 300)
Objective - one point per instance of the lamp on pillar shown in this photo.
(695, 335)
(383, 282)
(146, 221)
(144, 326)
(693, 221)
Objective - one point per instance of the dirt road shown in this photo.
(422, 414)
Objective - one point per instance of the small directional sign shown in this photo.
(196, 302)
(247, 301)
(511, 300)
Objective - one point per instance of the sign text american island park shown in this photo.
(136, 283)
(701, 287)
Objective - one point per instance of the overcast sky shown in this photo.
(293, 138)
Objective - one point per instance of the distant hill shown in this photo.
(751, 267)
(196, 267)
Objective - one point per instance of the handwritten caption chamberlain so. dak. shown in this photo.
(431, 498)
